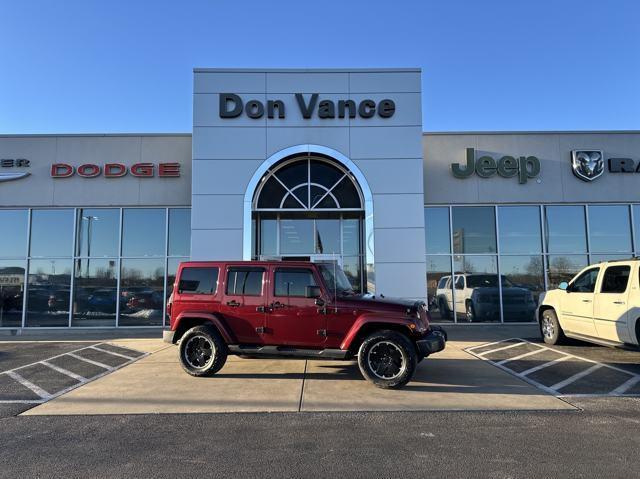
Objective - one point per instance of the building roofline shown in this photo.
(532, 132)
(53, 135)
(305, 70)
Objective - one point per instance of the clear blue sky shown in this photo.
(126, 66)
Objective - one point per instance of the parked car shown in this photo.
(601, 304)
(294, 309)
(477, 298)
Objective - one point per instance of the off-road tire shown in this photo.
(386, 349)
(550, 328)
(470, 312)
(195, 344)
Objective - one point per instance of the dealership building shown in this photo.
(324, 165)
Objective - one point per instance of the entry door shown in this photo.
(243, 304)
(292, 318)
(577, 303)
(610, 304)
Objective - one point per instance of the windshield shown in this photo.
(486, 280)
(335, 282)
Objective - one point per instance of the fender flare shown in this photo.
(369, 318)
(211, 317)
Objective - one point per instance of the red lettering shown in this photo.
(114, 170)
(89, 170)
(61, 170)
(171, 170)
(143, 170)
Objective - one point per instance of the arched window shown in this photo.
(308, 183)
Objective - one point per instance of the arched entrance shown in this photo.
(309, 205)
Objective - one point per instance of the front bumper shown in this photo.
(433, 342)
(167, 336)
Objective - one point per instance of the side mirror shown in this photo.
(312, 292)
(563, 286)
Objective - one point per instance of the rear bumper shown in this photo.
(433, 342)
(167, 336)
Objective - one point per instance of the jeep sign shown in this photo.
(507, 167)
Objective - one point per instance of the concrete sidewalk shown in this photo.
(451, 380)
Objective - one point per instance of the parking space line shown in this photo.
(576, 376)
(28, 384)
(544, 365)
(111, 352)
(75, 376)
(91, 361)
(624, 387)
(491, 344)
(483, 353)
(525, 355)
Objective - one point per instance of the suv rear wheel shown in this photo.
(388, 359)
(202, 351)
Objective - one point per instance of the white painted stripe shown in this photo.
(542, 366)
(491, 344)
(64, 371)
(28, 384)
(90, 361)
(48, 359)
(21, 401)
(483, 353)
(624, 387)
(525, 355)
(111, 352)
(575, 377)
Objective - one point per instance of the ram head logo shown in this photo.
(587, 164)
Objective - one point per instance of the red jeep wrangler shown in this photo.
(294, 310)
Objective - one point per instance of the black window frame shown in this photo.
(254, 269)
(604, 275)
(216, 283)
(295, 270)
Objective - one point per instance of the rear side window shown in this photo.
(293, 282)
(198, 281)
(615, 279)
(245, 281)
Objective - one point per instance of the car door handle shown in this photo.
(618, 302)
(233, 303)
(586, 300)
(263, 309)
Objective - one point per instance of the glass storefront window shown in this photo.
(48, 291)
(296, 236)
(563, 268)
(141, 292)
(474, 229)
(439, 288)
(328, 236)
(13, 240)
(143, 232)
(11, 292)
(269, 237)
(519, 229)
(609, 229)
(179, 232)
(476, 288)
(565, 229)
(95, 292)
(98, 232)
(636, 226)
(598, 258)
(52, 232)
(522, 282)
(436, 225)
(351, 237)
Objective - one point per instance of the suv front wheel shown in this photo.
(388, 359)
(202, 351)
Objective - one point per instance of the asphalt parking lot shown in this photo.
(32, 373)
(574, 370)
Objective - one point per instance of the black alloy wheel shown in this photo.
(203, 352)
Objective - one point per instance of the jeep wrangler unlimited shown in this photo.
(279, 309)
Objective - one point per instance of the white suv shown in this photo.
(600, 305)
